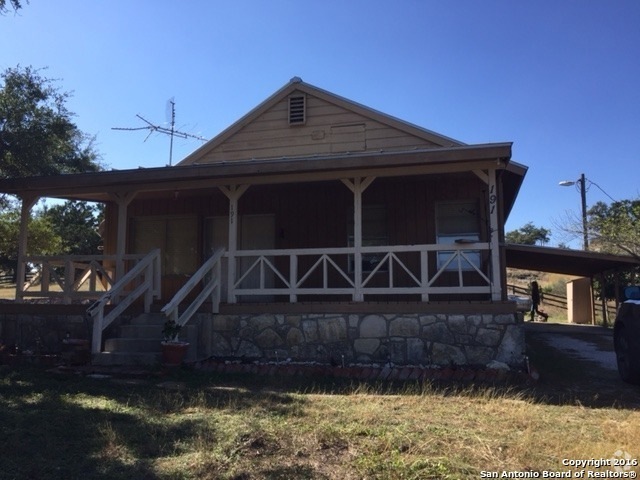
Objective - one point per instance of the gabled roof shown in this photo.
(297, 85)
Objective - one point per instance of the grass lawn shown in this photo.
(198, 425)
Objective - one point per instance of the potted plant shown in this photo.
(173, 350)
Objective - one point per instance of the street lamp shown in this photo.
(583, 196)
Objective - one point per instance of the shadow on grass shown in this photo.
(67, 426)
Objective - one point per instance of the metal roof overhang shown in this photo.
(565, 261)
(98, 186)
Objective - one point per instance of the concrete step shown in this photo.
(132, 345)
(126, 358)
(149, 319)
(138, 343)
(188, 333)
(141, 331)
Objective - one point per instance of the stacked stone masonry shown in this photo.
(341, 339)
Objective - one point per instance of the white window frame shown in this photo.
(465, 235)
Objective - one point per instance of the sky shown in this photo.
(558, 78)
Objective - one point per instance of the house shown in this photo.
(314, 228)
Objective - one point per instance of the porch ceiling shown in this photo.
(98, 186)
(562, 260)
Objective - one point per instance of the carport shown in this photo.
(569, 262)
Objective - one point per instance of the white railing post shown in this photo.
(92, 278)
(45, 277)
(424, 275)
(293, 277)
(96, 344)
(149, 283)
(217, 291)
(69, 277)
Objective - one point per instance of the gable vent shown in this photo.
(297, 110)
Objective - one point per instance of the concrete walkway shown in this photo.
(586, 342)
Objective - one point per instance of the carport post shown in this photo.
(603, 301)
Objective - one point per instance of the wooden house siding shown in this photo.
(329, 129)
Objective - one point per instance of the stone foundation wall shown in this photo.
(403, 339)
(40, 333)
(332, 338)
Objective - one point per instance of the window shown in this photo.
(297, 110)
(457, 222)
(374, 233)
(176, 237)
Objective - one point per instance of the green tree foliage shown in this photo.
(66, 229)
(43, 240)
(37, 136)
(76, 223)
(529, 234)
(615, 228)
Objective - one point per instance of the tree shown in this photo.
(529, 234)
(615, 228)
(43, 240)
(37, 135)
(76, 223)
(15, 4)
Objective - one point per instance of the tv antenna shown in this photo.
(172, 132)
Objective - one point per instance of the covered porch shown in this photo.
(351, 227)
(355, 233)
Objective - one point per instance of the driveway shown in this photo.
(577, 363)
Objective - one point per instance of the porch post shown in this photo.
(233, 193)
(357, 185)
(25, 216)
(494, 243)
(123, 200)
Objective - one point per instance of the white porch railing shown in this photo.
(211, 273)
(71, 277)
(142, 279)
(393, 270)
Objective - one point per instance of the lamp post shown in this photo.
(583, 197)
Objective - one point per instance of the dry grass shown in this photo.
(7, 292)
(248, 427)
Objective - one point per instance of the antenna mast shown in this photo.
(172, 132)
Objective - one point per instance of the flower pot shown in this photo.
(173, 353)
